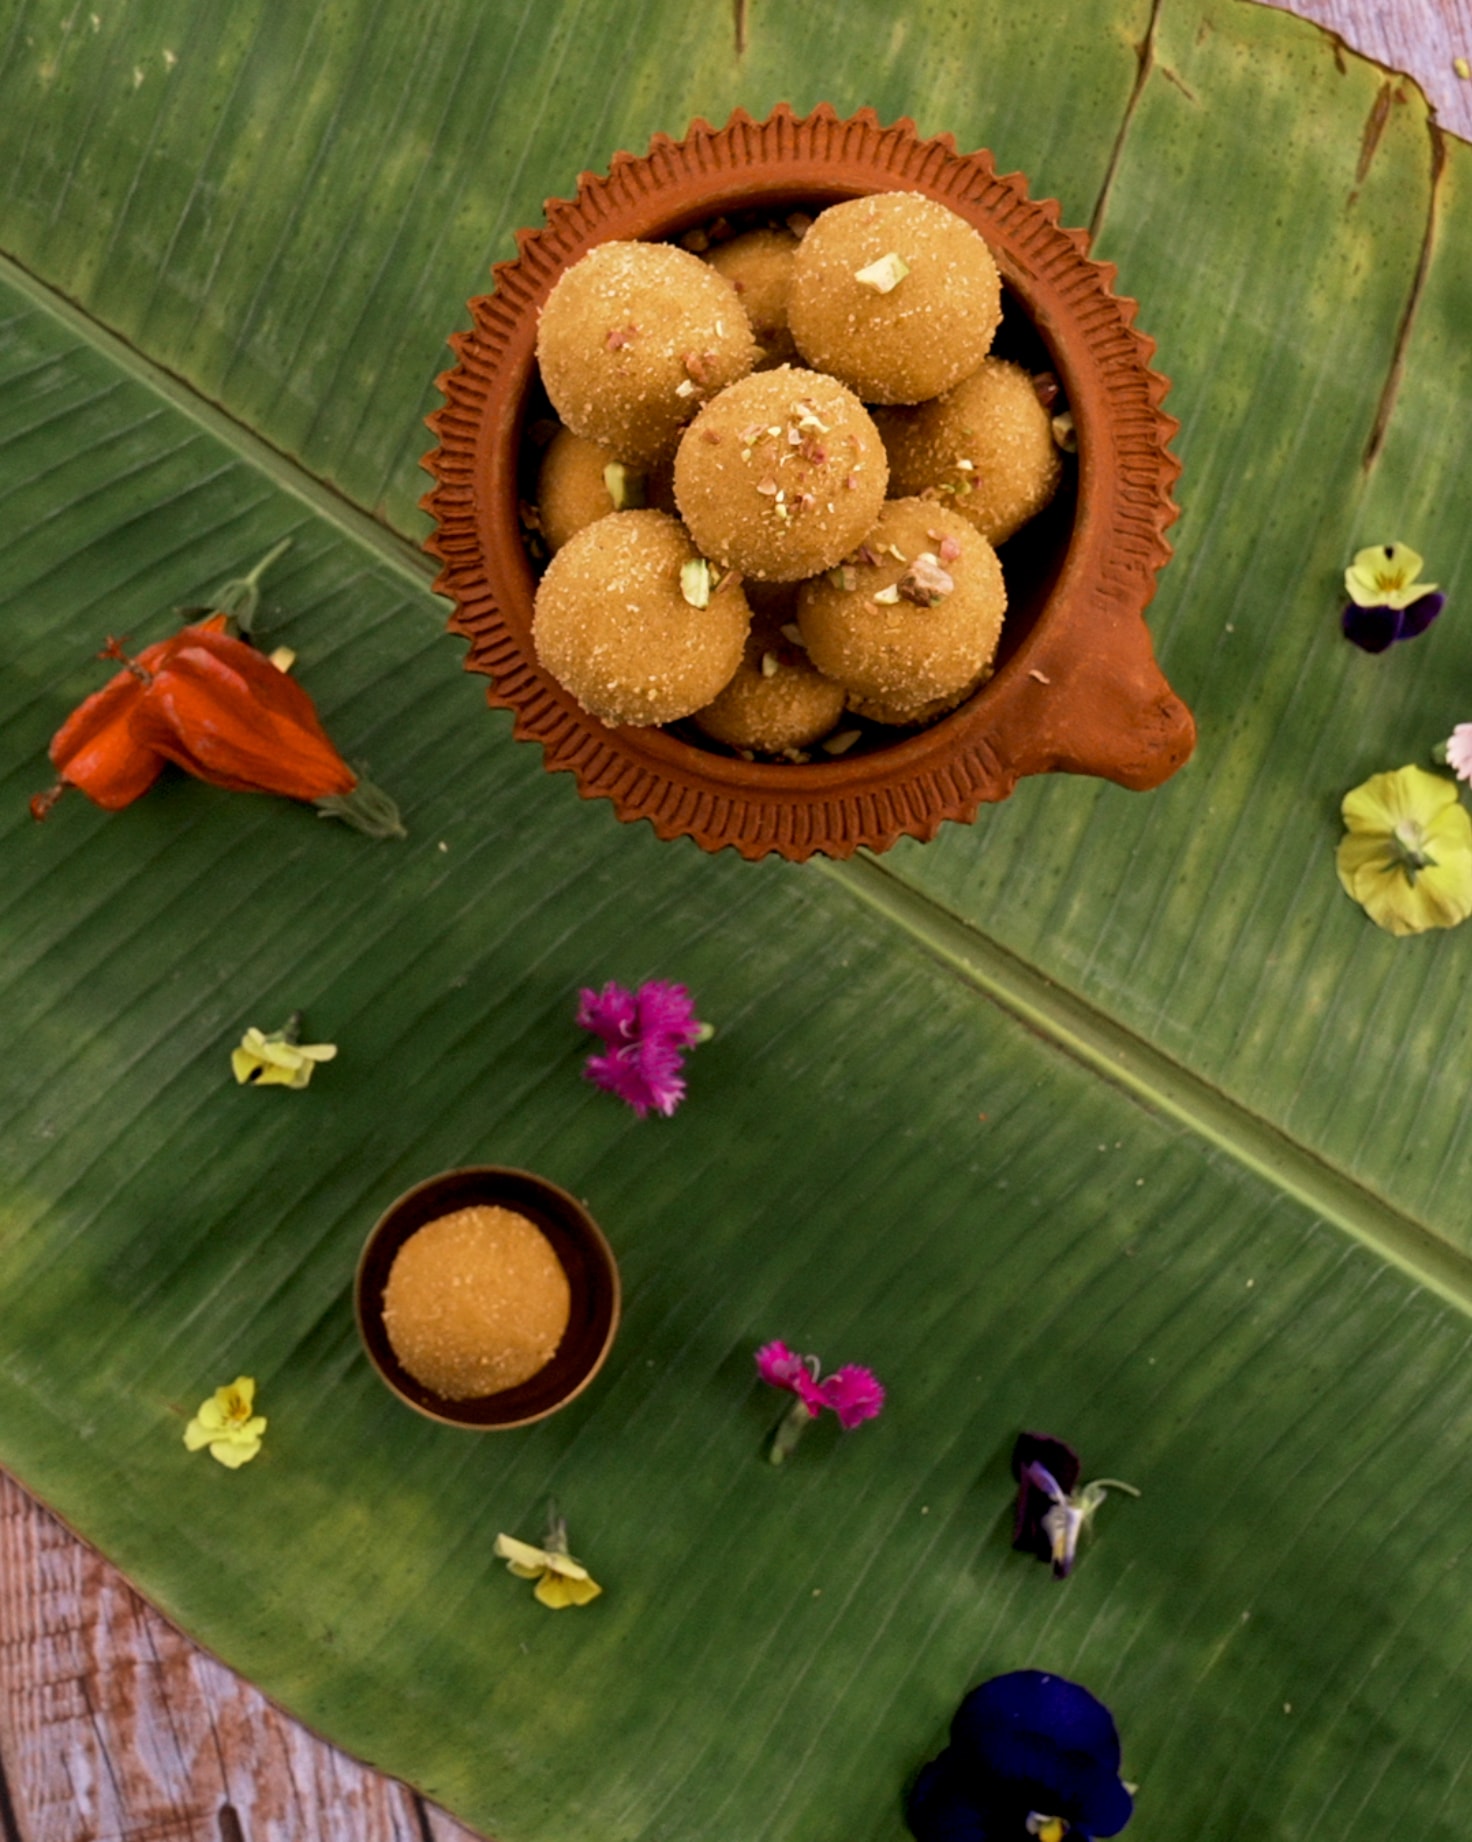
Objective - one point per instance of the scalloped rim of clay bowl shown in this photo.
(1078, 689)
(585, 1257)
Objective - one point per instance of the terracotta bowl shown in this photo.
(579, 1245)
(1077, 687)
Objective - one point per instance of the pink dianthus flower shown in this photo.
(1459, 751)
(644, 1034)
(855, 1394)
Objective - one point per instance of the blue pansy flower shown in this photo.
(1032, 1755)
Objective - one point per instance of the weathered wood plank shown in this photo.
(1424, 37)
(114, 1728)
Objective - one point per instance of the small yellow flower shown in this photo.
(1384, 576)
(561, 1581)
(227, 1426)
(278, 1060)
(1407, 856)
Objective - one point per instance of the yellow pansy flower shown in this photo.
(278, 1059)
(1407, 856)
(1384, 576)
(561, 1581)
(226, 1424)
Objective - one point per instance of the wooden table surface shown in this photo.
(113, 1727)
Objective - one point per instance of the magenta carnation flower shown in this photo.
(645, 1034)
(784, 1368)
(855, 1394)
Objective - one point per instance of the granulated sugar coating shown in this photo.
(910, 623)
(777, 702)
(985, 447)
(758, 266)
(633, 339)
(894, 295)
(614, 625)
(781, 475)
(476, 1302)
(573, 486)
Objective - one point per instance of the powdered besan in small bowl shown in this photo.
(476, 1302)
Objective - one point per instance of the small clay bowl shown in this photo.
(1077, 688)
(579, 1245)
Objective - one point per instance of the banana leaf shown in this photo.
(1108, 1115)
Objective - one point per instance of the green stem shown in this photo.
(367, 809)
(241, 597)
(790, 1428)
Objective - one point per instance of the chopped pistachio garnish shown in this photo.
(885, 274)
(843, 577)
(770, 664)
(625, 487)
(887, 597)
(1064, 433)
(841, 741)
(695, 582)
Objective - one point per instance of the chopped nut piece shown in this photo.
(1045, 387)
(767, 485)
(695, 582)
(1064, 433)
(697, 241)
(898, 554)
(799, 223)
(531, 516)
(887, 597)
(1042, 677)
(950, 549)
(686, 387)
(841, 741)
(625, 487)
(696, 366)
(925, 582)
(771, 664)
(884, 275)
(844, 577)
